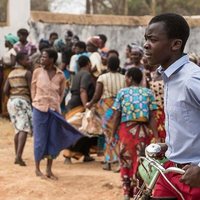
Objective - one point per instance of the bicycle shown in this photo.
(145, 191)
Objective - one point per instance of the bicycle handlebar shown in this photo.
(159, 167)
(174, 169)
(154, 150)
(151, 152)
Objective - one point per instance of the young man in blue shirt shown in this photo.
(166, 36)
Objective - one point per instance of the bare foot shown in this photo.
(51, 176)
(20, 162)
(40, 174)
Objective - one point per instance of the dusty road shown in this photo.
(77, 181)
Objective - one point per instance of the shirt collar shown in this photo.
(175, 66)
(57, 69)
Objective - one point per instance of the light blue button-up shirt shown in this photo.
(182, 110)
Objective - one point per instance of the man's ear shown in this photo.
(177, 44)
(130, 79)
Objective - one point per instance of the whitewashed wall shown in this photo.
(118, 36)
(18, 17)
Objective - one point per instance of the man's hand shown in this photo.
(191, 176)
(88, 105)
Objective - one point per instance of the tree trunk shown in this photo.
(125, 7)
(94, 7)
(122, 7)
(88, 7)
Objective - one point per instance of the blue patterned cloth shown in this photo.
(134, 103)
(52, 134)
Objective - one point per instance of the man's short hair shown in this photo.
(53, 34)
(113, 63)
(136, 74)
(175, 25)
(103, 38)
(113, 51)
(23, 31)
(83, 61)
(81, 45)
(20, 56)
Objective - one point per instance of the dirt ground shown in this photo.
(76, 181)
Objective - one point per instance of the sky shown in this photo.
(68, 6)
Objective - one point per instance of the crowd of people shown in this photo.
(47, 89)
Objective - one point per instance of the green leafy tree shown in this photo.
(112, 7)
(40, 5)
(124, 7)
(183, 7)
(139, 7)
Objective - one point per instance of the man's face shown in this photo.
(135, 56)
(53, 38)
(158, 47)
(68, 40)
(45, 60)
(22, 37)
(78, 50)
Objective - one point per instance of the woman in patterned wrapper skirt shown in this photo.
(134, 107)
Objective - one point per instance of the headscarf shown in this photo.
(58, 44)
(134, 46)
(11, 38)
(95, 40)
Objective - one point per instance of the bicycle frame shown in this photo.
(145, 191)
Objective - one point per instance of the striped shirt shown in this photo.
(112, 83)
(18, 83)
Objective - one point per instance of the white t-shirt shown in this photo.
(7, 56)
(95, 59)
